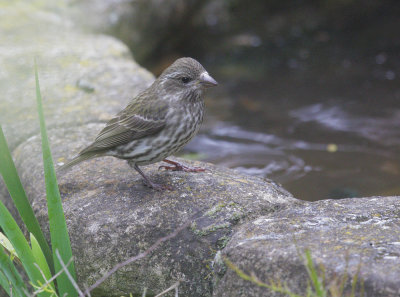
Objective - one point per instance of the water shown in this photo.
(320, 140)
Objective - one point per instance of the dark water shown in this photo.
(309, 92)
(334, 138)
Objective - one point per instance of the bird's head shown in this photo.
(186, 78)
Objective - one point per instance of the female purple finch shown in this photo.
(157, 123)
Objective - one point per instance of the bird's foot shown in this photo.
(179, 167)
(157, 187)
(149, 183)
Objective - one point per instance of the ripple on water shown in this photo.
(383, 129)
(310, 170)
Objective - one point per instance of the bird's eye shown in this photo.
(185, 79)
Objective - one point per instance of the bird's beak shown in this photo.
(207, 81)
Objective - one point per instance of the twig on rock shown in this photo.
(72, 280)
(174, 286)
(40, 290)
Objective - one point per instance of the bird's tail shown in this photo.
(78, 159)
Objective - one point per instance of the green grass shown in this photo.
(17, 193)
(21, 246)
(58, 227)
(9, 276)
(39, 262)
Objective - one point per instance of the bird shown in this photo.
(156, 123)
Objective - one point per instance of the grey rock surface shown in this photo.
(339, 233)
(84, 77)
(112, 216)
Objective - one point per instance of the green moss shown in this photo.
(236, 216)
(221, 205)
(210, 229)
(216, 209)
(222, 242)
(193, 227)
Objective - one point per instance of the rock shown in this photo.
(153, 28)
(339, 233)
(112, 216)
(84, 77)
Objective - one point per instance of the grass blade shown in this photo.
(312, 273)
(9, 276)
(40, 259)
(17, 193)
(8, 247)
(58, 227)
(21, 246)
(4, 283)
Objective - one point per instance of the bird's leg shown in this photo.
(179, 167)
(151, 184)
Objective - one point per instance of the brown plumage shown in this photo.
(156, 123)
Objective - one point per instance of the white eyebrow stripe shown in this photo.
(174, 74)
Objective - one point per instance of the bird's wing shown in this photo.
(130, 124)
